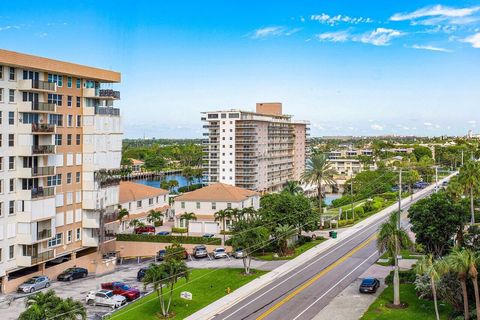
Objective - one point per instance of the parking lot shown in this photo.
(127, 272)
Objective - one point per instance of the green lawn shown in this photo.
(405, 253)
(417, 308)
(206, 286)
(268, 256)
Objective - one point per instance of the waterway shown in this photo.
(182, 181)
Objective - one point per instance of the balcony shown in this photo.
(107, 111)
(37, 85)
(43, 128)
(43, 149)
(96, 93)
(43, 171)
(27, 261)
(41, 192)
(44, 107)
(44, 234)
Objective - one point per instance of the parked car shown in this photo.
(208, 235)
(122, 289)
(220, 253)
(161, 254)
(200, 251)
(72, 273)
(145, 230)
(163, 233)
(238, 253)
(61, 259)
(105, 298)
(420, 185)
(34, 284)
(369, 285)
(141, 273)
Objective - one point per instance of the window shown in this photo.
(229, 205)
(55, 241)
(1, 72)
(78, 234)
(139, 204)
(79, 84)
(56, 119)
(0, 118)
(11, 252)
(11, 163)
(12, 185)
(78, 102)
(12, 74)
(1, 94)
(11, 95)
(1, 139)
(198, 205)
(77, 177)
(1, 209)
(69, 82)
(11, 140)
(69, 139)
(69, 236)
(69, 101)
(1, 255)
(79, 120)
(11, 207)
(78, 139)
(182, 204)
(1, 163)
(58, 139)
(11, 117)
(150, 201)
(214, 205)
(55, 78)
(55, 98)
(70, 120)
(69, 178)
(55, 180)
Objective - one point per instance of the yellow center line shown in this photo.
(315, 278)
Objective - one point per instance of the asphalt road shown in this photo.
(304, 291)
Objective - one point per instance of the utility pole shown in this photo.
(351, 195)
(399, 198)
(462, 157)
(436, 179)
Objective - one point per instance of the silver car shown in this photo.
(238, 254)
(34, 284)
(105, 298)
(220, 253)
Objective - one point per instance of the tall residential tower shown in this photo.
(60, 149)
(259, 150)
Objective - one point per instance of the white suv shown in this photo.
(105, 298)
(219, 253)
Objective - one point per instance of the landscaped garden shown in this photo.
(269, 255)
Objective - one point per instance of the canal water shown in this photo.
(182, 181)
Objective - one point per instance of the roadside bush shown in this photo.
(347, 199)
(359, 212)
(167, 239)
(406, 276)
(226, 232)
(158, 223)
(343, 223)
(303, 239)
(192, 187)
(179, 230)
(389, 195)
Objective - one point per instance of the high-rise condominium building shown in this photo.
(259, 150)
(60, 147)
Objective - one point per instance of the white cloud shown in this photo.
(4, 28)
(377, 127)
(334, 20)
(430, 48)
(380, 36)
(474, 40)
(435, 11)
(472, 121)
(273, 31)
(339, 36)
(428, 124)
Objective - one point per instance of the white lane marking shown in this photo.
(336, 284)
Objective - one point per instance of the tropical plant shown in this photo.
(427, 266)
(189, 174)
(293, 187)
(47, 305)
(172, 184)
(122, 213)
(317, 172)
(69, 309)
(455, 191)
(391, 239)
(155, 217)
(469, 177)
(222, 216)
(135, 223)
(282, 234)
(188, 216)
(164, 185)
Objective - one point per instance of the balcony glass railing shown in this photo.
(44, 234)
(110, 111)
(43, 106)
(43, 171)
(44, 149)
(43, 256)
(43, 128)
(42, 192)
(43, 85)
(108, 93)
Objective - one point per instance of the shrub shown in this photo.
(343, 223)
(406, 276)
(303, 239)
(158, 223)
(179, 230)
(359, 212)
(227, 232)
(191, 188)
(389, 195)
(167, 239)
(342, 201)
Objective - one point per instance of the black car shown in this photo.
(141, 273)
(72, 273)
(369, 285)
(161, 255)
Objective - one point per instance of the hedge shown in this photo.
(405, 276)
(167, 239)
(179, 230)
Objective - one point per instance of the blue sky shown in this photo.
(349, 67)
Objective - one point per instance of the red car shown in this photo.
(145, 230)
(122, 289)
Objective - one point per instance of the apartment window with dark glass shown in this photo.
(69, 82)
(55, 78)
(12, 74)
(79, 120)
(79, 83)
(1, 94)
(11, 95)
(78, 102)
(11, 117)
(12, 185)
(78, 139)
(11, 163)
(55, 98)
(56, 119)
(77, 177)
(11, 252)
(1, 72)
(11, 140)
(11, 207)
(69, 177)
(55, 180)
(69, 139)
(1, 139)
(69, 101)
(58, 139)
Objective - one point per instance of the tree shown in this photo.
(188, 216)
(464, 263)
(427, 266)
(293, 187)
(165, 185)
(172, 184)
(222, 216)
(410, 178)
(189, 174)
(282, 234)
(249, 235)
(135, 223)
(365, 161)
(435, 220)
(318, 171)
(47, 305)
(421, 151)
(165, 275)
(391, 239)
(155, 217)
(469, 177)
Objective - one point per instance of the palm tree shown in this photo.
(318, 171)
(172, 184)
(469, 177)
(155, 217)
(122, 213)
(426, 266)
(293, 188)
(223, 215)
(187, 216)
(456, 190)
(463, 262)
(135, 223)
(248, 213)
(48, 305)
(391, 239)
(282, 234)
(70, 309)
